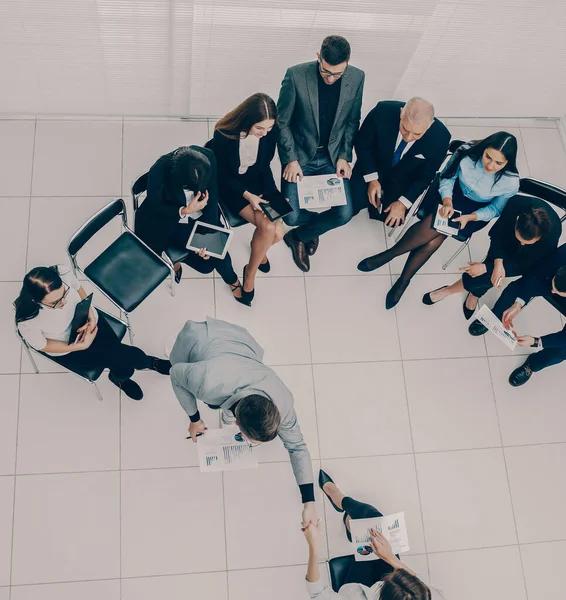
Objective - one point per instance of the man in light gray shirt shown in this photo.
(221, 365)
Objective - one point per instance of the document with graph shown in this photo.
(392, 527)
(321, 192)
(225, 450)
(489, 320)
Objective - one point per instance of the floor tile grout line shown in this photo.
(507, 475)
(525, 152)
(222, 482)
(315, 412)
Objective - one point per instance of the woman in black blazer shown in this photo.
(244, 144)
(527, 231)
(183, 184)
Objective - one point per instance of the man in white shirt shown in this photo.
(399, 148)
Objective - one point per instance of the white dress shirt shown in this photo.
(375, 176)
(249, 147)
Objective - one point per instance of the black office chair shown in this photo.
(128, 270)
(338, 568)
(89, 375)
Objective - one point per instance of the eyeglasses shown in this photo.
(326, 73)
(240, 438)
(57, 303)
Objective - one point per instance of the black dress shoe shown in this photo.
(468, 312)
(371, 263)
(521, 374)
(247, 297)
(161, 365)
(299, 250)
(395, 294)
(324, 478)
(265, 267)
(477, 328)
(178, 274)
(312, 246)
(129, 387)
(428, 300)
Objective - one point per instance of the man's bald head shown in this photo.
(416, 117)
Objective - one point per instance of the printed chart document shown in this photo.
(489, 320)
(321, 192)
(392, 527)
(444, 225)
(224, 450)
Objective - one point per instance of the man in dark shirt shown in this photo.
(548, 279)
(319, 114)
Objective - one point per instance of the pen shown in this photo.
(189, 437)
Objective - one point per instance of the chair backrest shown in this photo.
(95, 224)
(454, 145)
(140, 186)
(338, 568)
(544, 191)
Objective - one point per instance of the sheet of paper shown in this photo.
(321, 192)
(441, 224)
(487, 318)
(392, 527)
(224, 450)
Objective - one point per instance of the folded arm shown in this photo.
(285, 109)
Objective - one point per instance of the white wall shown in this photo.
(191, 57)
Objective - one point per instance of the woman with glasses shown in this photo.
(44, 314)
(244, 145)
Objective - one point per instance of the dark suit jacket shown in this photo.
(227, 152)
(375, 146)
(298, 114)
(158, 215)
(538, 282)
(504, 243)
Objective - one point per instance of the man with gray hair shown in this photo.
(399, 148)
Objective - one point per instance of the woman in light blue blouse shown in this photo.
(479, 180)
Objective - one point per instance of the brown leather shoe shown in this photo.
(312, 246)
(299, 250)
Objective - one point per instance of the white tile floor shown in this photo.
(403, 408)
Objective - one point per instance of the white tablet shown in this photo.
(215, 239)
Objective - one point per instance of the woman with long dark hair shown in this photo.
(385, 579)
(244, 144)
(44, 314)
(182, 189)
(479, 181)
(527, 231)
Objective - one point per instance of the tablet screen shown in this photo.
(211, 239)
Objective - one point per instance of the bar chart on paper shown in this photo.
(225, 450)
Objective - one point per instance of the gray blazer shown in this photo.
(220, 363)
(297, 107)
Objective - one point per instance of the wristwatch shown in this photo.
(536, 343)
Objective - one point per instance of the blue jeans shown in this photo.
(312, 224)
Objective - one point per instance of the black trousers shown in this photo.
(108, 351)
(370, 572)
(480, 285)
(223, 266)
(547, 357)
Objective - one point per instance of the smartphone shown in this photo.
(451, 223)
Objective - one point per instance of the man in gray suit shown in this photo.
(221, 365)
(319, 111)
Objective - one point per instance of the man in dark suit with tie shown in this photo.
(399, 148)
(319, 111)
(548, 279)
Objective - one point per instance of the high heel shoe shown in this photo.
(265, 267)
(324, 478)
(428, 300)
(469, 312)
(247, 297)
(178, 274)
(395, 293)
(371, 263)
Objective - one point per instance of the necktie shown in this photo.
(398, 152)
